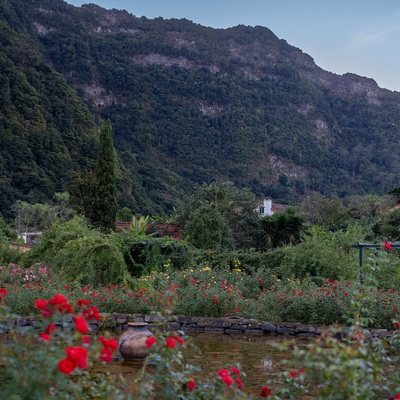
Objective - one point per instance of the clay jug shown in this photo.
(132, 343)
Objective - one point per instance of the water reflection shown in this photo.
(213, 351)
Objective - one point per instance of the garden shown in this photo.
(211, 287)
(294, 267)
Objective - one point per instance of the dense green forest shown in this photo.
(188, 105)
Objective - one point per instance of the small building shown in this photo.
(267, 208)
(30, 238)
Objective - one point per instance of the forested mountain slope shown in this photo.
(46, 131)
(188, 104)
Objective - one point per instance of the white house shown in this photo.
(267, 208)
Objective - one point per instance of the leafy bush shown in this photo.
(54, 240)
(324, 254)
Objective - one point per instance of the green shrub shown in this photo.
(54, 240)
(324, 254)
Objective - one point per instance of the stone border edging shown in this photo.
(228, 325)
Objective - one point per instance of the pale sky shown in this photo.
(357, 36)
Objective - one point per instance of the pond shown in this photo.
(213, 351)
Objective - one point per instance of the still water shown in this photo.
(258, 358)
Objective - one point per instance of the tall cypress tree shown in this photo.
(106, 196)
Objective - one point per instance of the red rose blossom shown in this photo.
(150, 341)
(239, 383)
(179, 340)
(46, 312)
(265, 392)
(227, 380)
(387, 246)
(66, 366)
(40, 304)
(81, 325)
(58, 299)
(90, 313)
(191, 385)
(45, 336)
(105, 355)
(85, 339)
(50, 328)
(83, 302)
(110, 344)
(78, 355)
(223, 372)
(170, 342)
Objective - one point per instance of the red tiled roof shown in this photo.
(119, 226)
(279, 208)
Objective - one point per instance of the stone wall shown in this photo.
(228, 325)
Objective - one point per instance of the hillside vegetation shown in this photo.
(188, 104)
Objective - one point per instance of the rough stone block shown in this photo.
(305, 329)
(222, 323)
(213, 329)
(267, 327)
(203, 322)
(174, 325)
(153, 318)
(284, 330)
(239, 327)
(187, 320)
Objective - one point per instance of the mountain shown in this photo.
(188, 104)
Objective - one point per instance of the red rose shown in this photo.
(150, 341)
(191, 385)
(66, 366)
(50, 328)
(239, 383)
(78, 355)
(45, 336)
(46, 312)
(105, 355)
(58, 299)
(40, 304)
(85, 339)
(227, 380)
(387, 246)
(170, 342)
(179, 340)
(81, 324)
(265, 392)
(235, 371)
(111, 344)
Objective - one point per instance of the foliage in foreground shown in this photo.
(57, 358)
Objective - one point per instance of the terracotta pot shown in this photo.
(132, 343)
